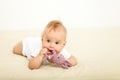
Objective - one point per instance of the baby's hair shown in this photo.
(53, 25)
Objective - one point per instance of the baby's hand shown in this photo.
(44, 51)
(49, 56)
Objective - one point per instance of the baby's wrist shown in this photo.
(41, 55)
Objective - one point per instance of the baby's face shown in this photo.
(54, 40)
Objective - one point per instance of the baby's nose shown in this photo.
(52, 45)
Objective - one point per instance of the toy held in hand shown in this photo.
(58, 59)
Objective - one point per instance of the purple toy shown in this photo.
(58, 59)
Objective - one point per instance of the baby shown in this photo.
(53, 39)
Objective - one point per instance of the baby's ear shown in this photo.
(64, 43)
(41, 39)
(42, 36)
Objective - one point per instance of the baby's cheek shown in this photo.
(45, 45)
(59, 49)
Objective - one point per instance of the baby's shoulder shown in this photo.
(65, 53)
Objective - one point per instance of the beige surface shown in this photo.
(97, 51)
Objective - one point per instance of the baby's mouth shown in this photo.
(50, 52)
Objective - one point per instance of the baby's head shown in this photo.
(54, 36)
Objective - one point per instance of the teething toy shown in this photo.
(58, 59)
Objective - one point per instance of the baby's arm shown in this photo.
(72, 60)
(35, 62)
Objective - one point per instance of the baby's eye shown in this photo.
(48, 41)
(56, 42)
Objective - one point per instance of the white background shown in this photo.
(34, 14)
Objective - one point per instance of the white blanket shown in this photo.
(97, 52)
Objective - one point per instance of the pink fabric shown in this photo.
(58, 59)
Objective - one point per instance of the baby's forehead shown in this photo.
(58, 31)
(56, 35)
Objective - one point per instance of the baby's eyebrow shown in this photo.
(59, 41)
